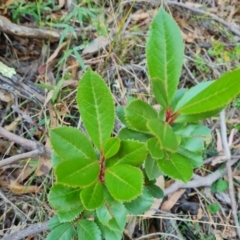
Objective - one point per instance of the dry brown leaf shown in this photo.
(73, 66)
(140, 15)
(11, 127)
(19, 189)
(218, 160)
(22, 174)
(200, 214)
(172, 199)
(10, 2)
(6, 96)
(219, 141)
(96, 45)
(231, 136)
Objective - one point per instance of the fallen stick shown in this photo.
(229, 171)
(29, 32)
(31, 230)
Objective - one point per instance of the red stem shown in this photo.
(102, 169)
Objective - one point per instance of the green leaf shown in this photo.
(59, 231)
(164, 51)
(214, 208)
(113, 215)
(219, 186)
(88, 230)
(197, 117)
(156, 191)
(164, 134)
(69, 143)
(192, 92)
(151, 168)
(77, 173)
(120, 110)
(64, 198)
(177, 96)
(124, 182)
(193, 144)
(55, 159)
(92, 197)
(194, 130)
(138, 113)
(194, 158)
(69, 215)
(130, 152)
(109, 234)
(141, 204)
(128, 134)
(217, 94)
(154, 148)
(96, 107)
(177, 167)
(111, 147)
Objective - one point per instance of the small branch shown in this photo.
(22, 31)
(29, 32)
(33, 229)
(230, 26)
(19, 140)
(19, 157)
(229, 171)
(37, 148)
(158, 234)
(197, 181)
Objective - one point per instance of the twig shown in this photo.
(213, 16)
(197, 181)
(229, 171)
(19, 140)
(37, 148)
(16, 209)
(22, 31)
(30, 32)
(157, 234)
(33, 229)
(19, 157)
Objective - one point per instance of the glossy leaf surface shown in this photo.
(151, 168)
(141, 204)
(92, 196)
(154, 148)
(96, 107)
(87, 229)
(164, 51)
(64, 198)
(111, 147)
(217, 94)
(113, 215)
(69, 143)
(77, 173)
(124, 182)
(138, 113)
(59, 231)
(130, 152)
(177, 167)
(164, 134)
(129, 134)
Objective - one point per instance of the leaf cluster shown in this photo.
(100, 177)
